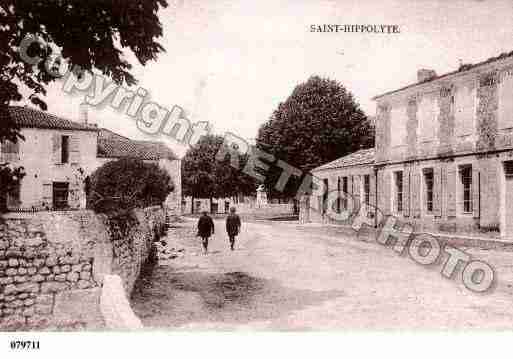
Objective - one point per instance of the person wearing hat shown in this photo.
(205, 229)
(233, 225)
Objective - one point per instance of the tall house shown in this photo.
(444, 149)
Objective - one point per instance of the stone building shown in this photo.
(444, 150)
(58, 155)
(353, 175)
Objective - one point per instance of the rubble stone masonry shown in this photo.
(52, 263)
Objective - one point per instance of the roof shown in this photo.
(26, 117)
(113, 145)
(357, 158)
(462, 69)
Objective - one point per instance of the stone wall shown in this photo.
(52, 265)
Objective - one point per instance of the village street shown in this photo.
(286, 277)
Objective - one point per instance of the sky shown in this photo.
(232, 62)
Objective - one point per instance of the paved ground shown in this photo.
(287, 277)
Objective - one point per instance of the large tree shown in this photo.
(319, 122)
(205, 177)
(90, 35)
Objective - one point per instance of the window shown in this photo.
(344, 189)
(505, 113)
(338, 196)
(398, 181)
(427, 116)
(464, 109)
(65, 149)
(428, 188)
(366, 189)
(466, 186)
(325, 196)
(398, 120)
(60, 195)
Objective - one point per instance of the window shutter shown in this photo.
(47, 194)
(475, 192)
(437, 191)
(416, 194)
(406, 192)
(56, 148)
(451, 191)
(372, 191)
(74, 149)
(356, 188)
(386, 193)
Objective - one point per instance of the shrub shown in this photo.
(126, 184)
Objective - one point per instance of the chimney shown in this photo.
(83, 115)
(425, 75)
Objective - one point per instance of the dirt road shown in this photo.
(283, 277)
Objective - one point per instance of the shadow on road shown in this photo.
(168, 298)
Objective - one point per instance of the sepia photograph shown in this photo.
(301, 171)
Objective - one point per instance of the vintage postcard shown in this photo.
(174, 166)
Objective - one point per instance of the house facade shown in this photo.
(444, 150)
(352, 175)
(58, 155)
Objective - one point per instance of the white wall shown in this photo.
(36, 156)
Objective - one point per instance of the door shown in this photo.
(60, 195)
(507, 216)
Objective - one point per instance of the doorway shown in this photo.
(60, 195)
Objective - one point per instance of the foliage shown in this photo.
(318, 123)
(126, 184)
(206, 177)
(91, 37)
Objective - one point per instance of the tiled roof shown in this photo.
(463, 68)
(360, 157)
(112, 145)
(26, 117)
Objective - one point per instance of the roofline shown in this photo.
(474, 66)
(339, 167)
(92, 129)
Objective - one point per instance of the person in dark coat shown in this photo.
(205, 229)
(232, 226)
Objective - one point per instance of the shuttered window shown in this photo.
(398, 120)
(65, 149)
(464, 109)
(505, 112)
(398, 184)
(345, 182)
(339, 204)
(466, 188)
(366, 189)
(428, 189)
(427, 117)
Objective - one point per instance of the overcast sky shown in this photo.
(231, 62)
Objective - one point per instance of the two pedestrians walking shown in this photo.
(206, 228)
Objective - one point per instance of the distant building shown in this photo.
(443, 159)
(58, 155)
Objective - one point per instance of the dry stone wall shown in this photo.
(52, 263)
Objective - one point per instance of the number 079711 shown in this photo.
(25, 344)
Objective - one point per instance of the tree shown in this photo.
(318, 123)
(127, 183)
(206, 177)
(91, 36)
